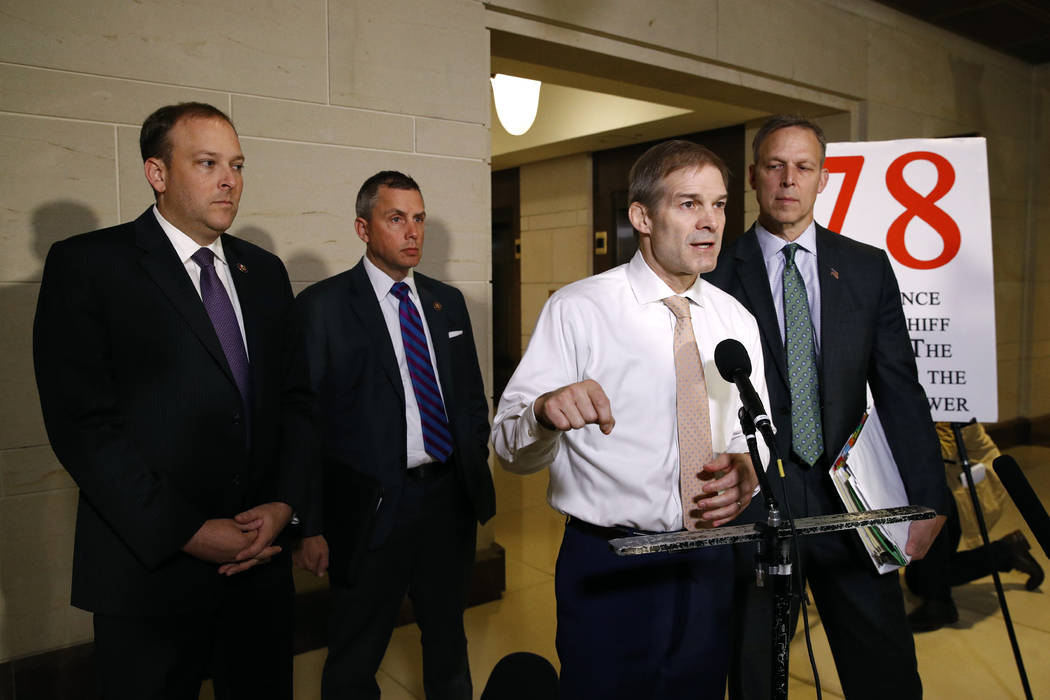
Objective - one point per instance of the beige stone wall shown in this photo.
(1036, 253)
(930, 83)
(556, 225)
(324, 93)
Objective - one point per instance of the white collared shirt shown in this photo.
(185, 247)
(614, 328)
(389, 304)
(805, 261)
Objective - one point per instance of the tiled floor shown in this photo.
(971, 659)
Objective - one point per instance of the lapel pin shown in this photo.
(834, 273)
(437, 306)
(242, 268)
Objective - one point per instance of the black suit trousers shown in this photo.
(861, 612)
(429, 554)
(244, 644)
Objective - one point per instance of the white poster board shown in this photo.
(925, 202)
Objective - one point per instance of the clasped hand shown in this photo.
(729, 482)
(243, 541)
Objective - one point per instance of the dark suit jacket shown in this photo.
(863, 338)
(361, 408)
(142, 410)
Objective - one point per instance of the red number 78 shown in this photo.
(915, 205)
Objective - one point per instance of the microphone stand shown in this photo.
(773, 563)
(634, 545)
(776, 541)
(964, 462)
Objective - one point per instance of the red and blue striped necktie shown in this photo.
(437, 440)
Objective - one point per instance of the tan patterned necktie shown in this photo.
(694, 419)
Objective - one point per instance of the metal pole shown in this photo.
(964, 462)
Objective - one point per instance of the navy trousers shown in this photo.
(651, 626)
(429, 555)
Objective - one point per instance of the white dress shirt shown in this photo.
(806, 262)
(185, 247)
(389, 304)
(614, 328)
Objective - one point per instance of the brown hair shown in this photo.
(155, 137)
(648, 172)
(369, 192)
(783, 121)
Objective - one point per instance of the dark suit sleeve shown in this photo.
(310, 335)
(83, 415)
(901, 401)
(299, 435)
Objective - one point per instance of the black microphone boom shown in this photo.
(734, 365)
(1025, 498)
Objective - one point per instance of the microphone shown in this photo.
(735, 366)
(1025, 498)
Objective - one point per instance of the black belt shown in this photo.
(608, 533)
(428, 470)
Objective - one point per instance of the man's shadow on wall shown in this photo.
(304, 268)
(435, 262)
(38, 549)
(56, 221)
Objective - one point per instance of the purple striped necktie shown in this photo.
(437, 440)
(220, 310)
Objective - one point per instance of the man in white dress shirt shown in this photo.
(596, 399)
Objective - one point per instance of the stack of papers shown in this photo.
(866, 478)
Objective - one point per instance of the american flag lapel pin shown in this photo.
(834, 273)
(242, 268)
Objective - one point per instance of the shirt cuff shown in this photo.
(534, 430)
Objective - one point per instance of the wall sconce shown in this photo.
(516, 102)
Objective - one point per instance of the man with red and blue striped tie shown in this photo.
(403, 474)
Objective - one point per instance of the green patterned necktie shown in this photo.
(807, 436)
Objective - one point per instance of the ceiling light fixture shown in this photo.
(516, 102)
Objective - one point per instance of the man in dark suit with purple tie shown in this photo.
(169, 392)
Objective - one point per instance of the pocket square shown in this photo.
(454, 334)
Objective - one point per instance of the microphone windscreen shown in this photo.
(730, 358)
(1025, 499)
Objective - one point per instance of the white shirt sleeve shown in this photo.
(522, 444)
